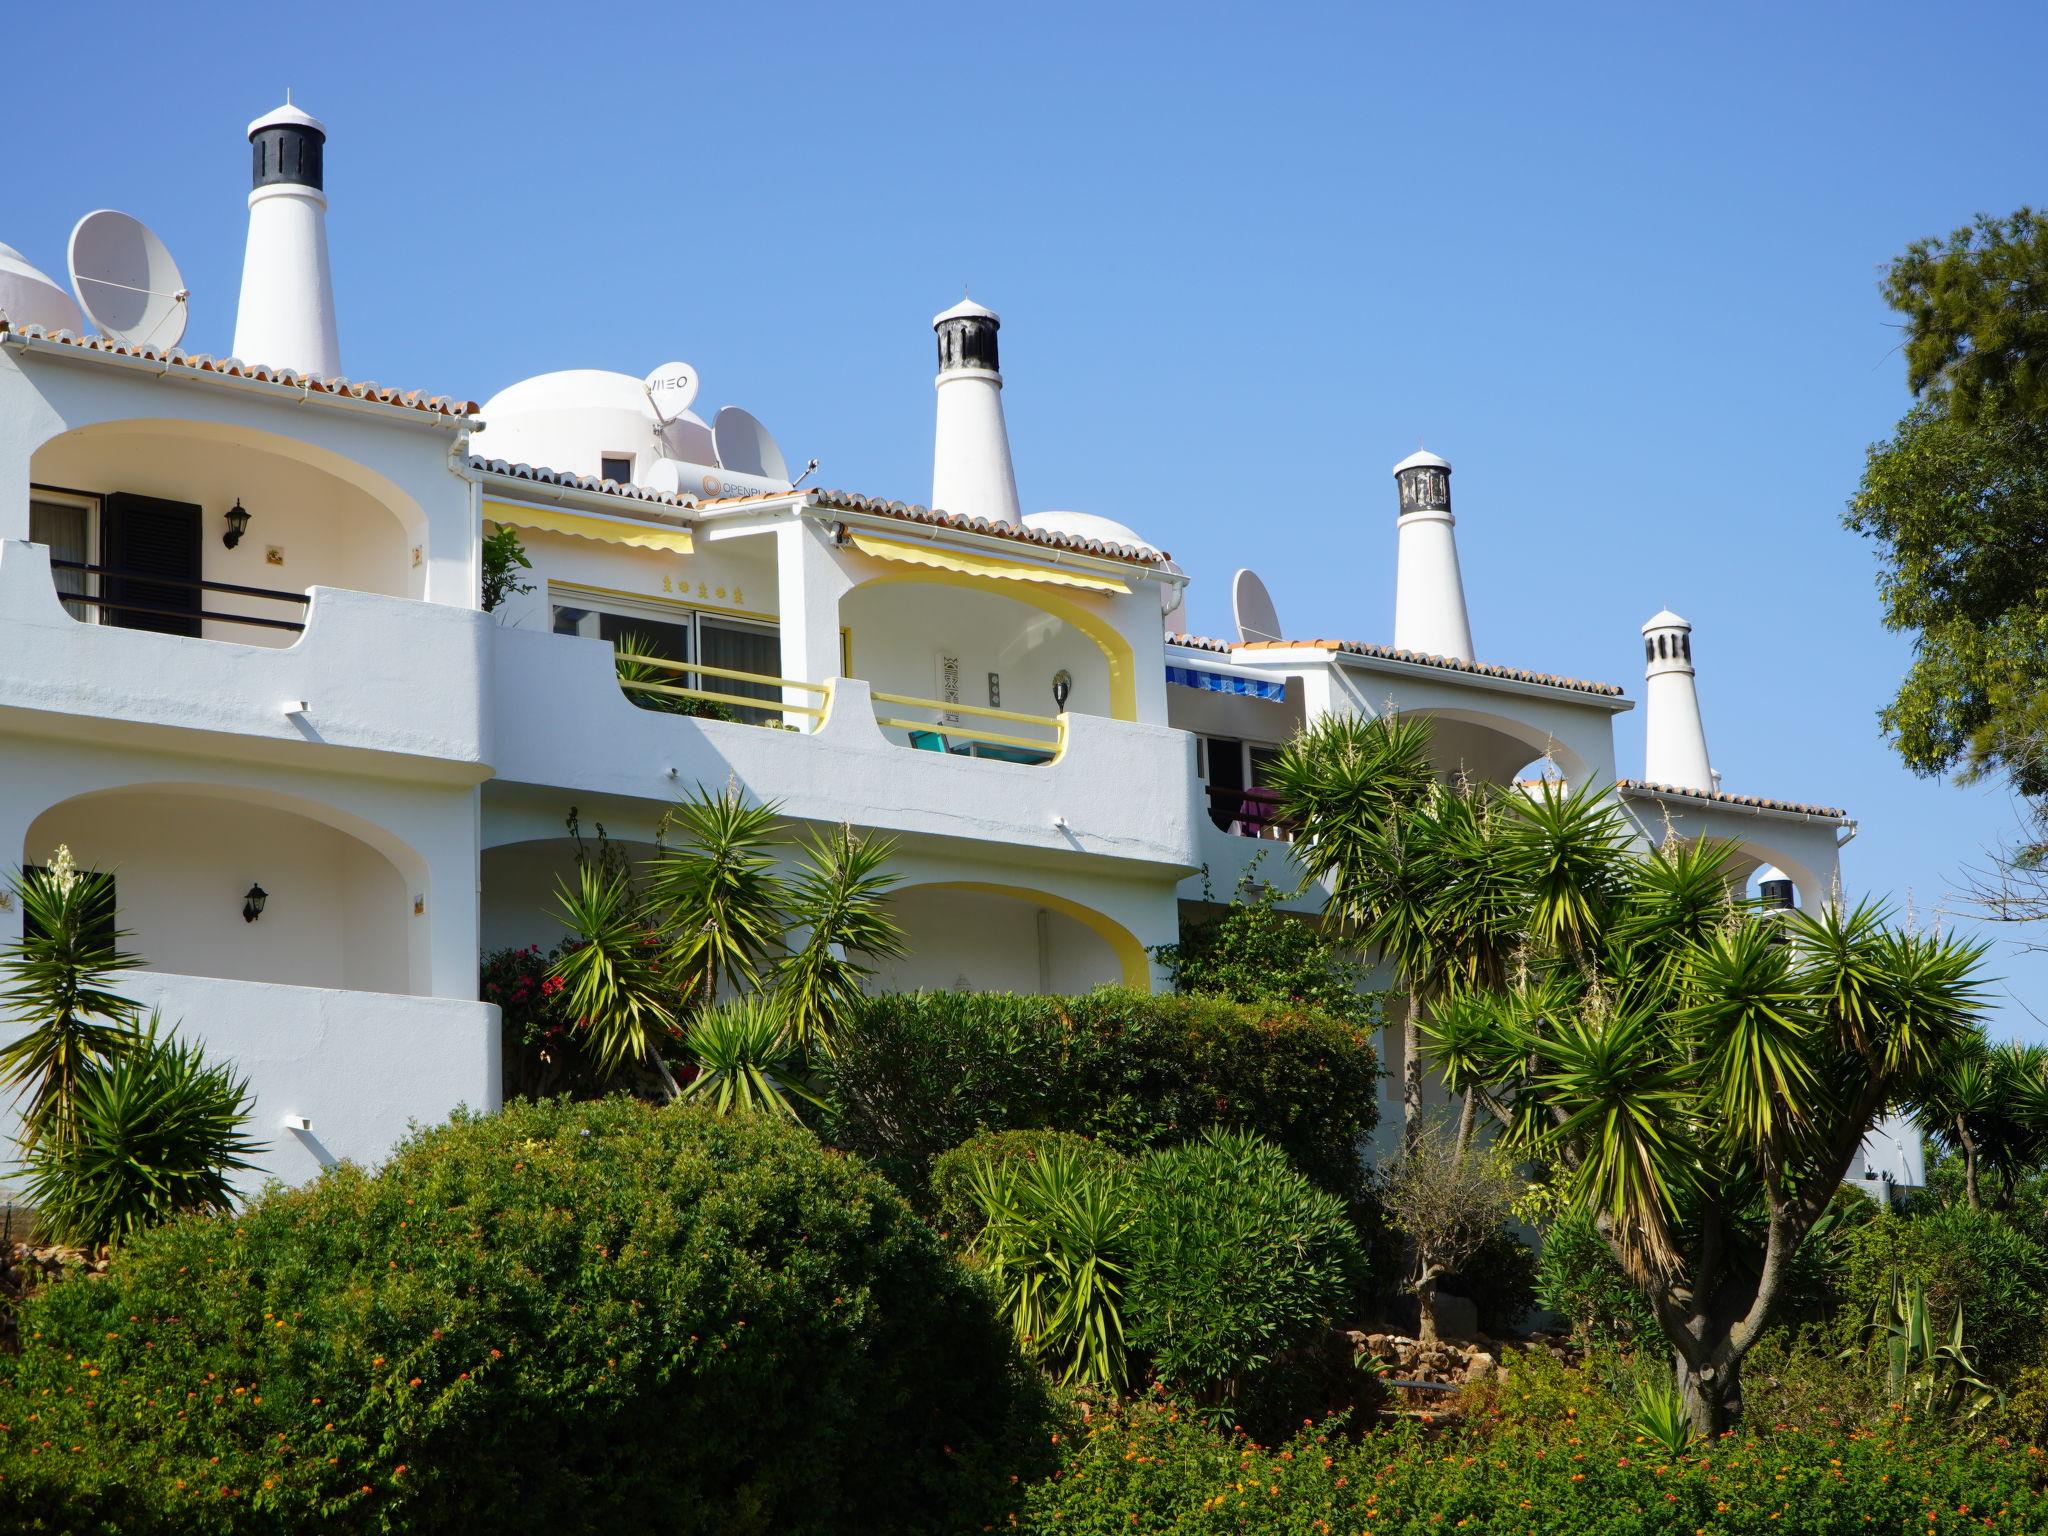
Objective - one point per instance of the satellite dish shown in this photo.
(125, 280)
(30, 297)
(1252, 605)
(671, 388)
(745, 447)
(686, 437)
(673, 479)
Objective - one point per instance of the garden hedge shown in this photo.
(565, 1318)
(918, 1073)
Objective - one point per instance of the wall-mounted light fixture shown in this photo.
(252, 904)
(1062, 685)
(238, 524)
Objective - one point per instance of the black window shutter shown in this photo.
(151, 537)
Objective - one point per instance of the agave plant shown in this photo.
(1929, 1373)
(155, 1132)
(1661, 1418)
(1054, 1247)
(747, 1060)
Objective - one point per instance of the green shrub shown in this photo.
(1578, 1277)
(1500, 1282)
(918, 1073)
(1960, 1258)
(1252, 952)
(1235, 1259)
(155, 1132)
(1545, 1451)
(958, 1214)
(566, 1318)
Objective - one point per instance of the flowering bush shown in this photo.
(1549, 1453)
(566, 1318)
(543, 1053)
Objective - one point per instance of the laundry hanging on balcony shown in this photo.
(1225, 682)
(675, 541)
(982, 565)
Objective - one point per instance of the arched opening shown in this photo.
(1752, 857)
(984, 937)
(1497, 749)
(137, 517)
(341, 893)
(987, 639)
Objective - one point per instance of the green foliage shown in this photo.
(1251, 952)
(1976, 308)
(1660, 1418)
(504, 556)
(917, 1073)
(1450, 1202)
(1954, 511)
(541, 1050)
(154, 1132)
(1499, 1279)
(1971, 1263)
(1929, 1370)
(570, 1318)
(613, 982)
(747, 1060)
(59, 975)
(1545, 1450)
(1054, 1244)
(714, 896)
(1578, 1277)
(1236, 1259)
(838, 899)
(646, 678)
(955, 1210)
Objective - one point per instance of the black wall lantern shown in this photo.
(1062, 685)
(238, 524)
(252, 904)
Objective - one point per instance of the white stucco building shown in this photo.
(242, 643)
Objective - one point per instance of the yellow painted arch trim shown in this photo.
(578, 525)
(984, 565)
(1130, 955)
(1123, 660)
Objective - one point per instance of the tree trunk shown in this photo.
(1411, 1073)
(1969, 1164)
(1466, 1117)
(669, 1087)
(1712, 1393)
(1425, 1293)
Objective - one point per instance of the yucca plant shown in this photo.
(715, 894)
(155, 1132)
(1054, 1245)
(1929, 1371)
(839, 900)
(1660, 1417)
(59, 977)
(747, 1061)
(613, 983)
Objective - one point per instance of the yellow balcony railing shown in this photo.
(940, 734)
(749, 706)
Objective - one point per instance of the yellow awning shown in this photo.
(982, 565)
(581, 525)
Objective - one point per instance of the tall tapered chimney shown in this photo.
(286, 315)
(1429, 592)
(971, 471)
(1675, 745)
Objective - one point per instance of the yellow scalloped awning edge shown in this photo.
(983, 565)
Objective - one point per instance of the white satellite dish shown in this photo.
(125, 280)
(686, 437)
(672, 387)
(745, 446)
(30, 297)
(1252, 605)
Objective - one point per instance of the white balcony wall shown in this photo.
(360, 1066)
(380, 674)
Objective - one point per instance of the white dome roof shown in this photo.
(1422, 458)
(572, 389)
(1086, 525)
(967, 309)
(1665, 620)
(287, 116)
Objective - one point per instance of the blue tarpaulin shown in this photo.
(1223, 682)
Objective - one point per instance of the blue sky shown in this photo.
(1618, 263)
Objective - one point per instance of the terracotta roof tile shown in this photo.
(1200, 643)
(1449, 664)
(911, 512)
(575, 482)
(1718, 797)
(309, 385)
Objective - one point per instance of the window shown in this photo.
(68, 524)
(154, 546)
(616, 467)
(676, 633)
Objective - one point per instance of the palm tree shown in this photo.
(839, 900)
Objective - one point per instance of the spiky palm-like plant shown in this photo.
(838, 899)
(59, 977)
(614, 985)
(715, 894)
(747, 1060)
